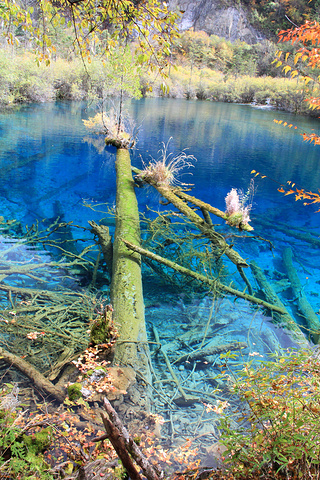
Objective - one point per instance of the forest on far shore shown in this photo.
(199, 67)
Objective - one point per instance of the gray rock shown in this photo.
(215, 18)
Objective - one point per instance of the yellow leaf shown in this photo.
(297, 56)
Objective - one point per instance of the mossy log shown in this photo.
(126, 285)
(213, 282)
(209, 208)
(206, 229)
(304, 307)
(284, 320)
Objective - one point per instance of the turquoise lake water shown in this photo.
(51, 165)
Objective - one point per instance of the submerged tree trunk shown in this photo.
(126, 286)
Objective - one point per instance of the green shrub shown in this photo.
(20, 453)
(280, 430)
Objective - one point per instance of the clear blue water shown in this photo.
(50, 164)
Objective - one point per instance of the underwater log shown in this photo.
(285, 320)
(185, 399)
(304, 306)
(213, 350)
(126, 286)
(214, 282)
(304, 236)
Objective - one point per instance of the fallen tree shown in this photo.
(126, 286)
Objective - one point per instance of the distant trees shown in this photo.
(201, 50)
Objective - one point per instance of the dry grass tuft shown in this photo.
(165, 170)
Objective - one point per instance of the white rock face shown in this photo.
(210, 16)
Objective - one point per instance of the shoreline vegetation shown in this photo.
(23, 81)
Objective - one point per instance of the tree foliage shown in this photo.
(274, 15)
(97, 26)
(303, 63)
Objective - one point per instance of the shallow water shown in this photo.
(50, 166)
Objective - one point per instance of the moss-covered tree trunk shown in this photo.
(126, 286)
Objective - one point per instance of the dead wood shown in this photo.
(215, 283)
(186, 399)
(206, 229)
(130, 445)
(304, 306)
(118, 444)
(126, 287)
(105, 242)
(207, 207)
(301, 234)
(285, 320)
(213, 350)
(37, 378)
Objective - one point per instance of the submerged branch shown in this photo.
(201, 278)
(207, 230)
(304, 306)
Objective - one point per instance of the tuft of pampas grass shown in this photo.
(165, 170)
(238, 206)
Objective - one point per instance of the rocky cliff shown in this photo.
(225, 19)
